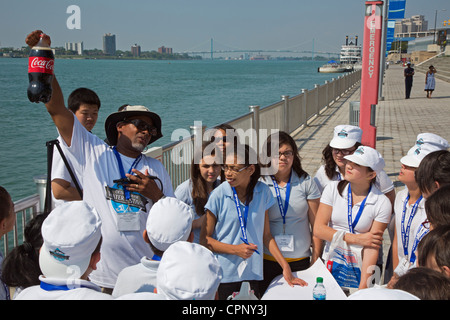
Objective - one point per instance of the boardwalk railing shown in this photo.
(290, 114)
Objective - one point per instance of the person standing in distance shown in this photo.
(408, 73)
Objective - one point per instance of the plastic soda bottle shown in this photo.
(40, 72)
(319, 291)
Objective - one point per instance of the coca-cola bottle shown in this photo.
(40, 72)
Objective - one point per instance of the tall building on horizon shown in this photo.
(109, 44)
(165, 50)
(75, 46)
(136, 51)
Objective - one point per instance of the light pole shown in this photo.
(435, 20)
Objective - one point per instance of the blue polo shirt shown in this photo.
(184, 193)
(221, 204)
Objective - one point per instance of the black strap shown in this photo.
(48, 195)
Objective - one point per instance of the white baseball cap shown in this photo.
(169, 221)
(381, 293)
(425, 144)
(188, 271)
(71, 233)
(367, 157)
(345, 136)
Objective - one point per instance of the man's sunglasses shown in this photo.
(141, 125)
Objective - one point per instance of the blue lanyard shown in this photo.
(122, 171)
(156, 257)
(51, 287)
(352, 225)
(405, 232)
(283, 209)
(417, 239)
(242, 219)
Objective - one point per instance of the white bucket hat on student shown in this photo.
(169, 221)
(345, 136)
(367, 157)
(71, 232)
(188, 271)
(425, 144)
(379, 293)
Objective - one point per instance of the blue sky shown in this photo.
(189, 24)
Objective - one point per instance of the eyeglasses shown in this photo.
(218, 139)
(286, 154)
(344, 152)
(225, 168)
(141, 125)
(426, 224)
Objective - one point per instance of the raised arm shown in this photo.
(62, 117)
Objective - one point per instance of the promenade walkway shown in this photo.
(398, 122)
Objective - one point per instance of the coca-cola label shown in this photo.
(40, 65)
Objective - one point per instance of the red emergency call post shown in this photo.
(370, 71)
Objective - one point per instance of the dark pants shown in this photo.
(408, 86)
(273, 269)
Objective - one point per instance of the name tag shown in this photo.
(285, 242)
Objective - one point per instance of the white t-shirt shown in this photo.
(60, 171)
(383, 182)
(98, 167)
(419, 217)
(377, 208)
(83, 290)
(138, 278)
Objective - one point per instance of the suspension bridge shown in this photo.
(212, 47)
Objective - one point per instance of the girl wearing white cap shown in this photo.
(357, 207)
(409, 207)
(196, 190)
(292, 215)
(237, 228)
(346, 139)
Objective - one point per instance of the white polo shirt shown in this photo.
(138, 278)
(377, 208)
(82, 290)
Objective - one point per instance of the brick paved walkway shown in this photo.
(398, 122)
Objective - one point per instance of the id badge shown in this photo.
(128, 221)
(403, 266)
(285, 242)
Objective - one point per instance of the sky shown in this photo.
(188, 25)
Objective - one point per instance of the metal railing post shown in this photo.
(316, 100)
(255, 124)
(285, 113)
(304, 105)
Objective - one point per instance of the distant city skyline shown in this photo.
(189, 26)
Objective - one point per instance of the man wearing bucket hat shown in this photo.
(409, 207)
(169, 221)
(118, 180)
(71, 250)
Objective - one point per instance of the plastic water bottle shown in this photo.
(319, 291)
